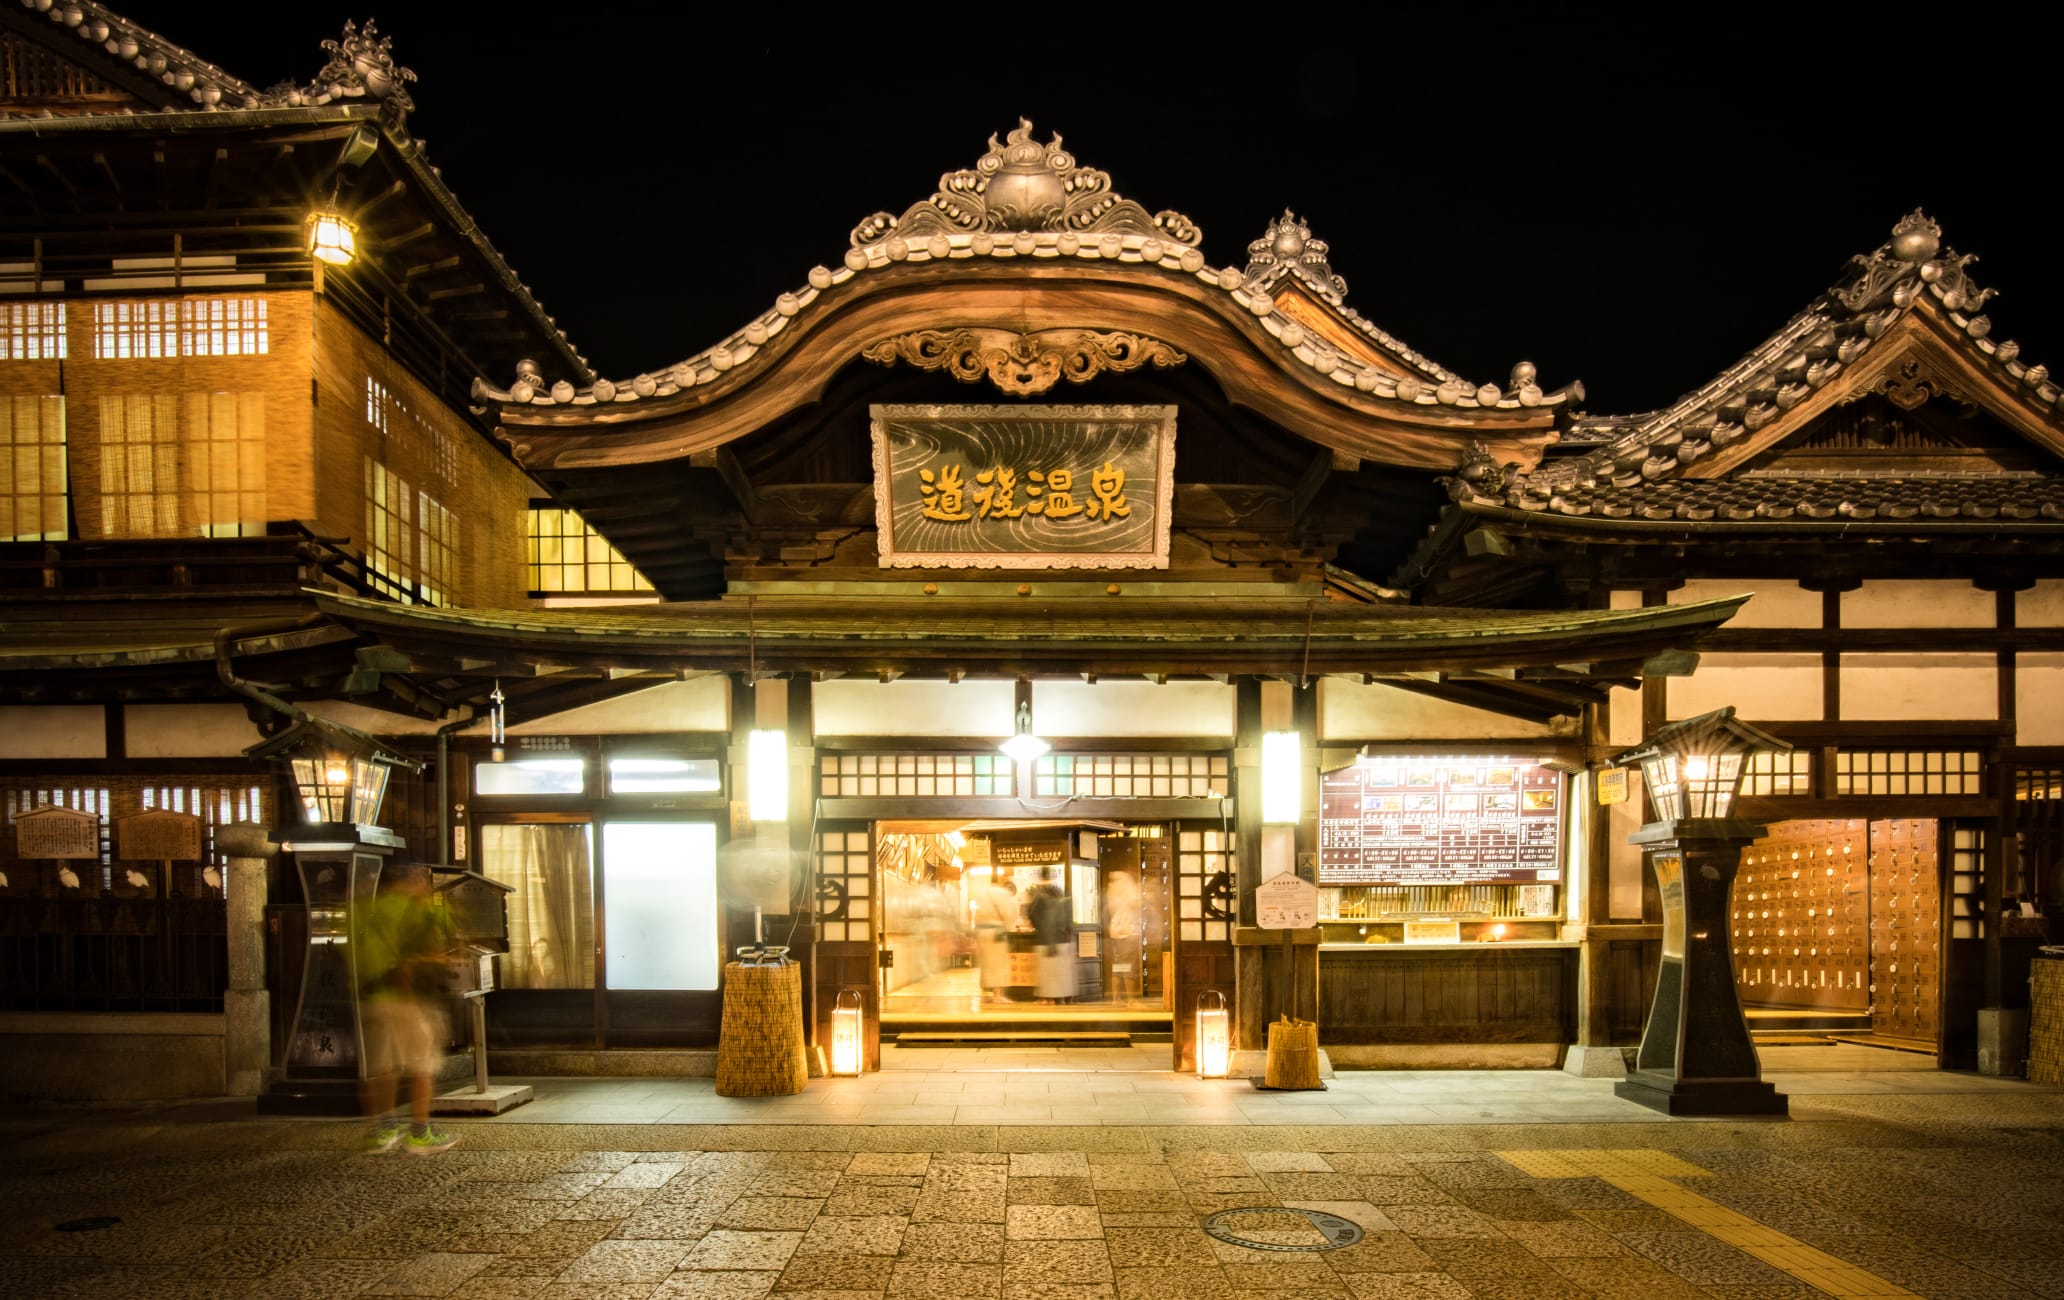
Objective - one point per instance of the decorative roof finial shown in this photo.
(362, 63)
(1287, 250)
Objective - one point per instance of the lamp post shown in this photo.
(339, 849)
(1696, 1057)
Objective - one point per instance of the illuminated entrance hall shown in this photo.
(1015, 925)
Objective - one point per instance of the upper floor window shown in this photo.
(567, 556)
(411, 539)
(147, 328)
(32, 331)
(182, 466)
(32, 469)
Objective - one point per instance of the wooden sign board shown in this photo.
(1400, 819)
(1433, 932)
(1612, 786)
(1286, 903)
(1023, 487)
(975, 851)
(158, 836)
(60, 833)
(1030, 853)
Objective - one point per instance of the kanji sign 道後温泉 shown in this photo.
(1413, 821)
(1023, 486)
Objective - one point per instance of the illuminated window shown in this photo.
(174, 467)
(1898, 772)
(147, 328)
(225, 459)
(32, 331)
(566, 555)
(1772, 773)
(139, 466)
(32, 469)
(411, 540)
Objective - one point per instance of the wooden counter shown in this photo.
(1513, 991)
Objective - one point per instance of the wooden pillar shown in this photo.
(1277, 971)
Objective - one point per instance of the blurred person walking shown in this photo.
(404, 970)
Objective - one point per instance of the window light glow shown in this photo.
(767, 773)
(1282, 778)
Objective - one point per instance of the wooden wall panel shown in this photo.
(1511, 995)
(1906, 936)
(1801, 917)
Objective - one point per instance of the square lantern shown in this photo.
(1693, 769)
(1214, 1035)
(331, 238)
(339, 772)
(848, 1023)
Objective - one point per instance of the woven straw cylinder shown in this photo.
(760, 1052)
(2046, 1020)
(1293, 1054)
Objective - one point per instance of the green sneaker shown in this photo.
(382, 1140)
(430, 1143)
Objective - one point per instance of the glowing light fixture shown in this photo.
(1694, 768)
(767, 773)
(1214, 1035)
(331, 238)
(1023, 746)
(340, 773)
(847, 1020)
(1282, 777)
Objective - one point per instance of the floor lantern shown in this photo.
(848, 1022)
(1214, 1035)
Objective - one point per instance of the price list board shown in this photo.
(1409, 822)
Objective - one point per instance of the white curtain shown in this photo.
(552, 912)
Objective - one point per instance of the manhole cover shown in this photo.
(94, 1224)
(1270, 1227)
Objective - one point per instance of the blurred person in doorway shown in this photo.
(405, 945)
(1053, 929)
(996, 915)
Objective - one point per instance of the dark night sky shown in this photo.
(1628, 203)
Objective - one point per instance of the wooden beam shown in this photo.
(49, 164)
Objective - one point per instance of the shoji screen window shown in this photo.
(32, 469)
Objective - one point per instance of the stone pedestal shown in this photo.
(246, 1004)
(1696, 1057)
(2003, 1042)
(1595, 1062)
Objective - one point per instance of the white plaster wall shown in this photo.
(187, 730)
(1765, 687)
(1078, 709)
(701, 704)
(1919, 687)
(2041, 605)
(1624, 863)
(2039, 699)
(906, 708)
(1918, 604)
(377, 722)
(53, 731)
(1352, 710)
(1775, 603)
(1624, 599)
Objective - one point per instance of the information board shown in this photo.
(1411, 821)
(1286, 903)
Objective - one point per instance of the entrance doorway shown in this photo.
(1005, 925)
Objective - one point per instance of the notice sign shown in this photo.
(1286, 903)
(1023, 487)
(1412, 821)
(1612, 786)
(62, 833)
(163, 836)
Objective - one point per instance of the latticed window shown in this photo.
(1771, 773)
(917, 775)
(147, 328)
(32, 469)
(1131, 776)
(182, 466)
(32, 331)
(139, 466)
(1908, 772)
(225, 457)
(566, 555)
(411, 539)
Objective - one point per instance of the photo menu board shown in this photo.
(1414, 821)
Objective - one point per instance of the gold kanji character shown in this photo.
(996, 498)
(945, 496)
(1060, 494)
(1109, 485)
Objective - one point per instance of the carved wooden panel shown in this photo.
(1801, 923)
(1906, 943)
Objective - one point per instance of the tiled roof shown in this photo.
(1635, 466)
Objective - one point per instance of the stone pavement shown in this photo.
(1914, 1183)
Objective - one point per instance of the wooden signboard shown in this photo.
(1612, 786)
(158, 836)
(1406, 820)
(1023, 487)
(58, 833)
(1433, 932)
(1286, 903)
(1029, 853)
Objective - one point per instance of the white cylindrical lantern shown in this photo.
(1282, 777)
(848, 1019)
(1214, 1035)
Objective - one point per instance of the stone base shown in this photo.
(335, 1097)
(1674, 1096)
(2002, 1042)
(465, 1101)
(1254, 1065)
(1444, 1056)
(641, 1063)
(1595, 1062)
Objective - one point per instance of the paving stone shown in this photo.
(563, 1239)
(1303, 1185)
(817, 1183)
(1190, 1282)
(1159, 1200)
(967, 1243)
(722, 1248)
(836, 1273)
(1052, 1222)
(933, 1277)
(889, 1162)
(852, 1198)
(880, 1234)
(627, 1261)
(1156, 1247)
(1049, 1191)
(1561, 1239)
(699, 1284)
(1305, 1272)
(501, 1288)
(1406, 1286)
(1049, 1164)
(429, 1275)
(1391, 1189)
(781, 1213)
(1700, 1258)
(1380, 1252)
(1027, 1263)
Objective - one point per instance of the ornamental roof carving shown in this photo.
(1287, 250)
(1902, 323)
(361, 64)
